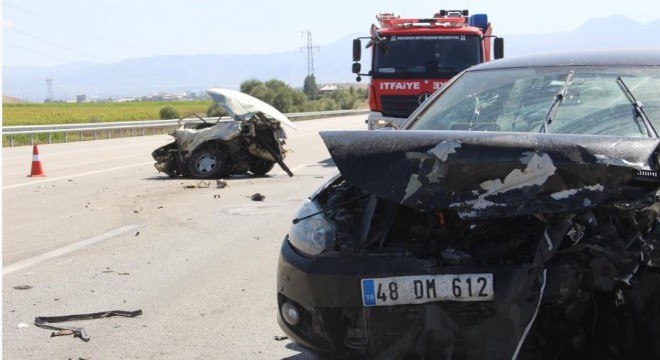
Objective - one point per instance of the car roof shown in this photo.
(618, 57)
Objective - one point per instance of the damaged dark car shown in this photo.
(514, 216)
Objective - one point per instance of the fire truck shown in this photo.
(411, 58)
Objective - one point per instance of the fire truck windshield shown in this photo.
(420, 56)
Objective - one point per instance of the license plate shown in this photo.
(402, 290)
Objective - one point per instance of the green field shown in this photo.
(14, 114)
(74, 113)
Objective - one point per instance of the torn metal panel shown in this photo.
(189, 139)
(483, 174)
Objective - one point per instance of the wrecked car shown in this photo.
(513, 216)
(252, 141)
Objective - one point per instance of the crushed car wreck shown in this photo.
(515, 217)
(252, 141)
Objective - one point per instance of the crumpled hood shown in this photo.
(238, 104)
(487, 174)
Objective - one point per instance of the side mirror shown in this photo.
(357, 50)
(356, 68)
(499, 48)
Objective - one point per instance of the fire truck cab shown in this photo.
(411, 58)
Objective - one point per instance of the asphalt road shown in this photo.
(104, 231)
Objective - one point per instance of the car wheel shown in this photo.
(205, 163)
(260, 166)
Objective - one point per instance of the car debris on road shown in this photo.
(46, 322)
(257, 197)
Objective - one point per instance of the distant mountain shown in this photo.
(178, 73)
(332, 63)
(604, 33)
(11, 100)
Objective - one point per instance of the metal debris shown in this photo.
(200, 185)
(221, 183)
(45, 322)
(257, 197)
(23, 287)
(62, 333)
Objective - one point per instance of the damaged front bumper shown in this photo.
(167, 159)
(326, 293)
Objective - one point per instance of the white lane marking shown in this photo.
(73, 176)
(65, 250)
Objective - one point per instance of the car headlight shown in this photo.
(314, 234)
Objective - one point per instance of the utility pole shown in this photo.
(49, 89)
(310, 52)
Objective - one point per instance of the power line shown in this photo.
(49, 89)
(52, 43)
(35, 51)
(310, 52)
(80, 32)
(74, 51)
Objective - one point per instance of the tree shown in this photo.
(310, 88)
(284, 98)
(248, 86)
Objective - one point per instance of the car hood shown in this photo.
(485, 174)
(238, 104)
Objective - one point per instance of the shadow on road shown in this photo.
(163, 177)
(304, 354)
(327, 162)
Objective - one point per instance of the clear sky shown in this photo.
(52, 32)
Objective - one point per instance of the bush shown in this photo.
(215, 111)
(169, 112)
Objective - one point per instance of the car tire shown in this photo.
(261, 167)
(206, 163)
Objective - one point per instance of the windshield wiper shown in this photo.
(639, 109)
(559, 97)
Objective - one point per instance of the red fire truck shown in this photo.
(411, 58)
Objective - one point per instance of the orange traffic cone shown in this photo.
(36, 163)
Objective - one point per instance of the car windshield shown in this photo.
(540, 100)
(418, 55)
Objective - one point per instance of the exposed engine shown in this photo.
(601, 298)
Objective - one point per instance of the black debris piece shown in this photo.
(257, 197)
(45, 322)
(23, 287)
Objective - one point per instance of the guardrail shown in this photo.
(94, 129)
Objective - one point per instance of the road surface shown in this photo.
(104, 231)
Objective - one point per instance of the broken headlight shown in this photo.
(311, 234)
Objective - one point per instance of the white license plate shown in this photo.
(421, 289)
